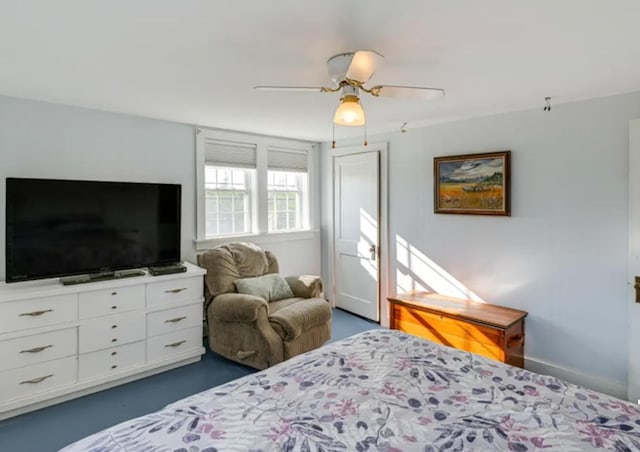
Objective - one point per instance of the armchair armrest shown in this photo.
(235, 307)
(305, 286)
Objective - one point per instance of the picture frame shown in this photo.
(474, 184)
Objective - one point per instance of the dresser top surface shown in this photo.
(53, 286)
(490, 314)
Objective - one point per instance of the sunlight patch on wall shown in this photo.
(416, 272)
(368, 239)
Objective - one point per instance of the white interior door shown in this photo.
(356, 232)
(634, 259)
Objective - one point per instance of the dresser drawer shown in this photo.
(175, 291)
(163, 347)
(110, 301)
(111, 330)
(38, 312)
(168, 320)
(111, 360)
(29, 350)
(31, 380)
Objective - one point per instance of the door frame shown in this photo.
(382, 148)
(633, 336)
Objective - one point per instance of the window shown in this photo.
(227, 200)
(286, 193)
(251, 185)
(287, 187)
(228, 180)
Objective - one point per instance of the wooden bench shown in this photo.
(489, 330)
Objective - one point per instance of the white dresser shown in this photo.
(59, 342)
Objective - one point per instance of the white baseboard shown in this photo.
(614, 388)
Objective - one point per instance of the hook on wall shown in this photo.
(403, 127)
(547, 107)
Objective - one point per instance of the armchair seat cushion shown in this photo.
(292, 320)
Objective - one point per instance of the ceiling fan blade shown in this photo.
(408, 92)
(318, 89)
(363, 65)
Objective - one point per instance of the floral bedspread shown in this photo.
(383, 390)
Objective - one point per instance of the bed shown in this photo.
(383, 390)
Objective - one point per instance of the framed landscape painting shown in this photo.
(476, 184)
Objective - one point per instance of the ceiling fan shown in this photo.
(349, 72)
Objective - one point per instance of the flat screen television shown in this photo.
(69, 227)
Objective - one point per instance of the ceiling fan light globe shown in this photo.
(349, 112)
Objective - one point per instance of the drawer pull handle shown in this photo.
(36, 380)
(114, 326)
(35, 313)
(114, 307)
(114, 293)
(36, 349)
(114, 366)
(114, 353)
(176, 320)
(515, 341)
(176, 344)
(114, 340)
(175, 290)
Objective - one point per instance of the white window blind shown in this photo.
(229, 154)
(282, 159)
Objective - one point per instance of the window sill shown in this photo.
(274, 237)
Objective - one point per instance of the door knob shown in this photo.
(372, 251)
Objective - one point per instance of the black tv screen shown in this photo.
(68, 227)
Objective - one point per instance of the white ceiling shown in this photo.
(196, 61)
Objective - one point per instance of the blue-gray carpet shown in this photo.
(51, 428)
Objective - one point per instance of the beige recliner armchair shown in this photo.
(256, 330)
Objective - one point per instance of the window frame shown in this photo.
(259, 203)
(248, 192)
(301, 194)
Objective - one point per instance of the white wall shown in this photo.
(298, 253)
(46, 140)
(561, 256)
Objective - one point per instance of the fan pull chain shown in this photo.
(365, 134)
(365, 128)
(333, 136)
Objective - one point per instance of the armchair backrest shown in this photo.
(228, 262)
